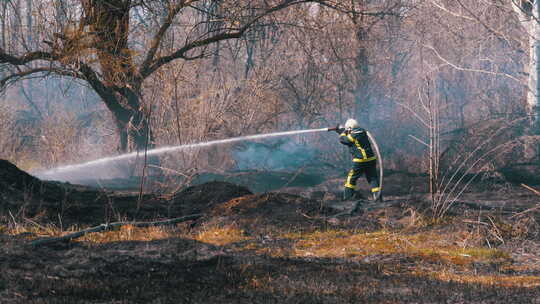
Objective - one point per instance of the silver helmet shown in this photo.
(351, 124)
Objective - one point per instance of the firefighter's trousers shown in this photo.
(358, 169)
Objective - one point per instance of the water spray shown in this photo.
(157, 151)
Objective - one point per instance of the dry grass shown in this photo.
(33, 230)
(494, 279)
(428, 246)
(212, 235)
(446, 257)
(222, 235)
(434, 254)
(123, 233)
(127, 233)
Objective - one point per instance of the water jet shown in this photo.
(58, 172)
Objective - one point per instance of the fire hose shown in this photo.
(379, 158)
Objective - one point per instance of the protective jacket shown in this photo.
(359, 145)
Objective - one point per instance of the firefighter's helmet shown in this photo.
(351, 124)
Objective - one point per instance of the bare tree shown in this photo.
(365, 17)
(529, 15)
(102, 45)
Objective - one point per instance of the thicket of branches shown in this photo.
(416, 73)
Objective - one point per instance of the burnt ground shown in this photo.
(293, 245)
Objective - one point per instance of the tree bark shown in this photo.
(133, 128)
(362, 98)
(529, 16)
(109, 20)
(533, 98)
(131, 121)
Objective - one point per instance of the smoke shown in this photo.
(275, 155)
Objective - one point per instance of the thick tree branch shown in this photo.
(16, 76)
(26, 58)
(234, 34)
(181, 53)
(106, 93)
(156, 41)
(29, 57)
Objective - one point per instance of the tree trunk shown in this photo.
(132, 124)
(3, 25)
(131, 121)
(29, 24)
(122, 88)
(362, 100)
(133, 129)
(533, 97)
(529, 14)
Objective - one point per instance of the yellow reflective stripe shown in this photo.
(357, 144)
(343, 134)
(362, 160)
(375, 189)
(348, 182)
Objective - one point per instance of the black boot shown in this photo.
(348, 194)
(357, 209)
(377, 196)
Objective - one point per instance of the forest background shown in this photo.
(438, 82)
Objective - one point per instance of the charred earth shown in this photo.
(297, 244)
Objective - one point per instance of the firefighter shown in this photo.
(364, 160)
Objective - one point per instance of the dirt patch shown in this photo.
(266, 248)
(25, 196)
(78, 274)
(13, 178)
(177, 270)
(17, 186)
(200, 198)
(273, 213)
(268, 204)
(265, 180)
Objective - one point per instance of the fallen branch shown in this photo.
(531, 209)
(105, 227)
(497, 233)
(484, 206)
(531, 189)
(475, 222)
(526, 211)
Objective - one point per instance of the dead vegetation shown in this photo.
(277, 247)
(303, 67)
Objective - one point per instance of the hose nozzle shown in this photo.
(333, 129)
(336, 129)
